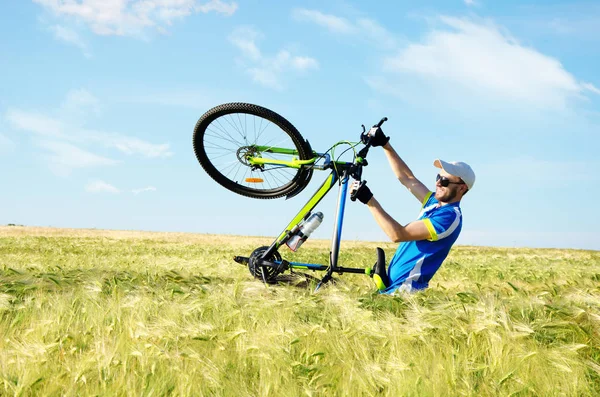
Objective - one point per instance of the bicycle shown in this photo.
(257, 153)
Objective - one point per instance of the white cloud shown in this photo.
(265, 77)
(131, 17)
(130, 146)
(218, 6)
(64, 157)
(376, 33)
(304, 63)
(50, 127)
(35, 122)
(470, 2)
(81, 99)
(590, 87)
(65, 133)
(244, 38)
(267, 70)
(362, 29)
(142, 190)
(69, 36)
(101, 187)
(78, 106)
(331, 22)
(483, 60)
(74, 109)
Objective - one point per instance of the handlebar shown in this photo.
(362, 154)
(364, 136)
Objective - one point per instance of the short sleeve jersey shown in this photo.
(415, 262)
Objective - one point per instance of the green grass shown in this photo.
(153, 314)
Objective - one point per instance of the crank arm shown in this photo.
(243, 260)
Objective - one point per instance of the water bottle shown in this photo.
(305, 230)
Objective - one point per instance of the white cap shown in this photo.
(459, 169)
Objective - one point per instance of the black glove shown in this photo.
(360, 191)
(378, 138)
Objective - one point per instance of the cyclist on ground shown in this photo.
(426, 242)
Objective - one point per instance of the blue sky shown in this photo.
(99, 98)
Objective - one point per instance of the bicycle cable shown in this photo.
(351, 146)
(320, 157)
(332, 150)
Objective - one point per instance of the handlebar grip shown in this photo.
(365, 137)
(383, 120)
(355, 192)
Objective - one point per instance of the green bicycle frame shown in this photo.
(312, 203)
(294, 163)
(341, 172)
(287, 233)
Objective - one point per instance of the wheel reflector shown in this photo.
(254, 180)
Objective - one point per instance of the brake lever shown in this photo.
(353, 195)
(364, 137)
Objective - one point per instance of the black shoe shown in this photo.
(379, 272)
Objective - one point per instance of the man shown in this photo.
(427, 241)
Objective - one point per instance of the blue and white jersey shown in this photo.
(415, 262)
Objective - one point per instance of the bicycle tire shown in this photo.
(231, 114)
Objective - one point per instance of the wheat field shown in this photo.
(119, 313)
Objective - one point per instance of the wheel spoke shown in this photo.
(245, 135)
(224, 130)
(223, 155)
(264, 129)
(232, 124)
(228, 139)
(233, 166)
(218, 147)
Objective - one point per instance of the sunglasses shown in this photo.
(445, 182)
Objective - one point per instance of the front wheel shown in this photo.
(229, 139)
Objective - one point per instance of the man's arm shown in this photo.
(416, 230)
(404, 174)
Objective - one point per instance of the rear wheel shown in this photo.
(229, 136)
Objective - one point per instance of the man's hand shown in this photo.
(378, 138)
(360, 191)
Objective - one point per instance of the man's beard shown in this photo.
(448, 196)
